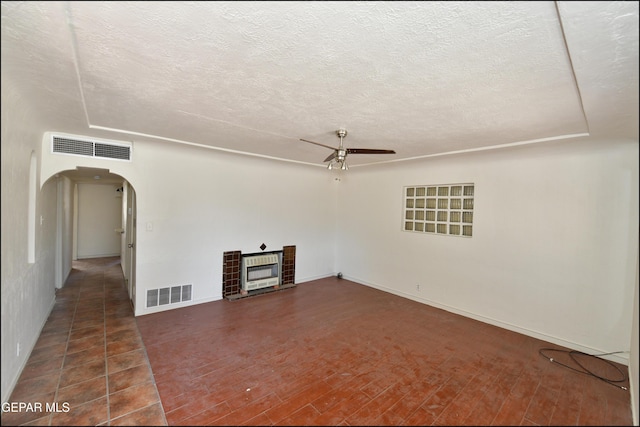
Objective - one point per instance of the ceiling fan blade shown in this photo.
(332, 156)
(317, 143)
(368, 151)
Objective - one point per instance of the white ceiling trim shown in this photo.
(490, 147)
(194, 144)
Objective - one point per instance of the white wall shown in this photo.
(27, 288)
(194, 204)
(554, 247)
(64, 231)
(99, 215)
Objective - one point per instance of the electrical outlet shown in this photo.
(418, 288)
(18, 350)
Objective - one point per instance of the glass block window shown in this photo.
(439, 209)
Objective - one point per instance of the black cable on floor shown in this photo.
(573, 353)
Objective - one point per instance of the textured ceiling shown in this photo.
(420, 78)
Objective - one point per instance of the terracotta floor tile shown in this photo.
(58, 325)
(31, 387)
(50, 339)
(43, 421)
(132, 399)
(90, 413)
(126, 360)
(124, 346)
(82, 344)
(127, 334)
(88, 371)
(50, 352)
(129, 377)
(83, 392)
(151, 415)
(34, 410)
(42, 367)
(95, 316)
(87, 323)
(82, 357)
(126, 323)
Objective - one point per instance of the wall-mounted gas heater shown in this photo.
(260, 271)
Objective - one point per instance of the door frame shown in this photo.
(130, 247)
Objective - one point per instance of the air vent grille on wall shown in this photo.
(86, 148)
(170, 295)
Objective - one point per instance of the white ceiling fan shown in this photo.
(339, 156)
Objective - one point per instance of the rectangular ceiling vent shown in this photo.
(86, 148)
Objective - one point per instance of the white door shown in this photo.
(131, 245)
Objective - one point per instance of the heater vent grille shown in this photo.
(79, 147)
(260, 271)
(168, 295)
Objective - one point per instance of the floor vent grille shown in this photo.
(169, 295)
(79, 147)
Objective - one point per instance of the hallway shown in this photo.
(90, 356)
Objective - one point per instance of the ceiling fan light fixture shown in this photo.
(342, 164)
(339, 156)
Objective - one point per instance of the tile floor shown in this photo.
(327, 352)
(90, 356)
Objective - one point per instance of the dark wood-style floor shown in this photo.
(327, 352)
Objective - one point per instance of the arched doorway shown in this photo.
(96, 217)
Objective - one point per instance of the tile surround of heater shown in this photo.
(232, 274)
